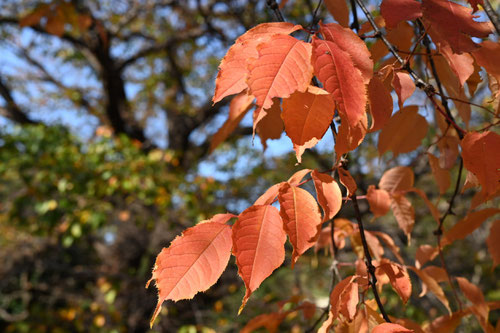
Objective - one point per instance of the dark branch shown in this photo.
(492, 15)
(12, 110)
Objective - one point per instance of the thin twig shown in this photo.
(315, 19)
(273, 5)
(368, 258)
(439, 232)
(492, 15)
(355, 22)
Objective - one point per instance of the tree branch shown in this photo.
(12, 110)
(368, 257)
(492, 15)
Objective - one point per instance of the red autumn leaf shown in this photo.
(493, 242)
(307, 116)
(487, 56)
(461, 64)
(301, 218)
(192, 263)
(34, 17)
(350, 137)
(283, 67)
(448, 148)
(347, 180)
(404, 213)
(328, 193)
(441, 175)
(390, 328)
(403, 85)
(338, 9)
(239, 106)
(269, 196)
(349, 42)
(476, 297)
(259, 240)
(424, 254)
(481, 157)
(270, 321)
(447, 323)
(399, 278)
(349, 301)
(397, 179)
(452, 82)
(403, 132)
(233, 71)
(468, 224)
(336, 300)
(380, 103)
(298, 176)
(379, 201)
(395, 11)
(430, 284)
(308, 309)
(454, 24)
(270, 125)
(389, 242)
(335, 68)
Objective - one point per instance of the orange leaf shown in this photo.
(404, 213)
(395, 11)
(338, 9)
(397, 179)
(380, 103)
(461, 64)
(468, 224)
(399, 278)
(481, 157)
(35, 16)
(403, 85)
(337, 298)
(259, 240)
(349, 301)
(350, 137)
(424, 254)
(307, 116)
(192, 263)
(335, 68)
(487, 56)
(349, 42)
(390, 328)
(270, 321)
(454, 24)
(301, 218)
(493, 242)
(379, 201)
(239, 106)
(441, 175)
(476, 297)
(270, 125)
(403, 132)
(283, 67)
(269, 196)
(448, 148)
(432, 285)
(389, 242)
(347, 180)
(328, 193)
(297, 177)
(233, 71)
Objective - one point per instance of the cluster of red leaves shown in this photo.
(272, 73)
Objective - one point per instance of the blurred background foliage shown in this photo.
(105, 127)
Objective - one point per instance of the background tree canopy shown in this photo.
(106, 124)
